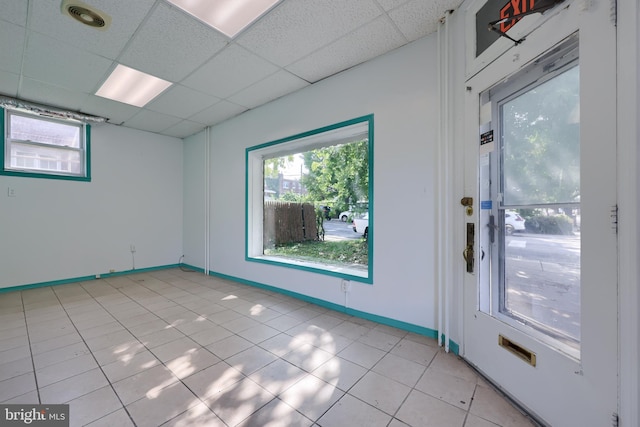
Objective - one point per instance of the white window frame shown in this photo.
(34, 167)
(344, 132)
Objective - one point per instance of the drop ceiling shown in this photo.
(49, 58)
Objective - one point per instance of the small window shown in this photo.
(330, 168)
(44, 147)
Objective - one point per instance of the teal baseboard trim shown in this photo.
(45, 284)
(192, 267)
(137, 270)
(453, 346)
(84, 278)
(409, 327)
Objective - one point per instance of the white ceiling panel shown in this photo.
(294, 29)
(14, 11)
(11, 46)
(181, 101)
(115, 111)
(9, 84)
(126, 16)
(51, 61)
(44, 93)
(184, 129)
(413, 18)
(152, 121)
(363, 44)
(172, 44)
(229, 71)
(274, 86)
(387, 5)
(219, 112)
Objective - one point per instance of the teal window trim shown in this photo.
(309, 266)
(46, 175)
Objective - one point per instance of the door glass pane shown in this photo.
(540, 266)
(541, 132)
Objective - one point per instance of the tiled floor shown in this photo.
(178, 348)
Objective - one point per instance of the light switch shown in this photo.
(11, 192)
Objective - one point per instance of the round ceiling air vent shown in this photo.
(86, 14)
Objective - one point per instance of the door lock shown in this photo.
(467, 202)
(468, 254)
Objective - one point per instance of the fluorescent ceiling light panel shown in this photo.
(131, 86)
(227, 16)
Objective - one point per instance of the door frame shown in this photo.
(629, 205)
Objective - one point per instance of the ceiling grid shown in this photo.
(49, 58)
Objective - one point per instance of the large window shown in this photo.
(44, 147)
(296, 189)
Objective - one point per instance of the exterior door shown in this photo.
(541, 313)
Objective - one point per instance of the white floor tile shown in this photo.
(182, 349)
(352, 412)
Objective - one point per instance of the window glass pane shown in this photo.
(44, 131)
(541, 137)
(26, 156)
(304, 192)
(541, 240)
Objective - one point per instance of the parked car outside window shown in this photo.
(361, 225)
(513, 222)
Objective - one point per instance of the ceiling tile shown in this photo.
(51, 61)
(152, 121)
(9, 84)
(274, 86)
(217, 113)
(55, 96)
(184, 129)
(418, 18)
(391, 4)
(126, 16)
(171, 44)
(294, 29)
(115, 111)
(363, 44)
(181, 101)
(231, 70)
(11, 46)
(14, 11)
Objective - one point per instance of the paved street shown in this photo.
(336, 230)
(543, 280)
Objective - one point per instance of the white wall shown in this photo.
(400, 89)
(56, 230)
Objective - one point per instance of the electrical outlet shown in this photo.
(11, 192)
(112, 270)
(346, 285)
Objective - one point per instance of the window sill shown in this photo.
(357, 273)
